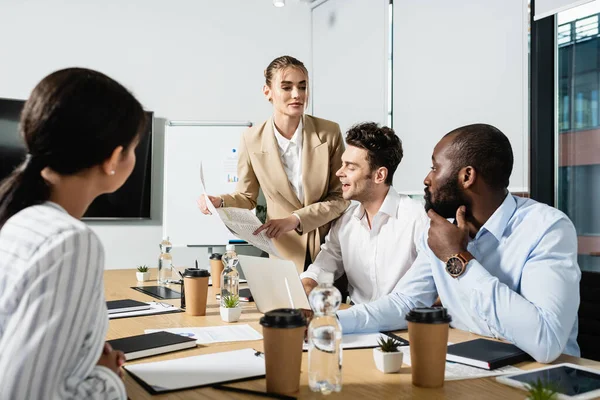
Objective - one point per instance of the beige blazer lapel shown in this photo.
(315, 163)
(270, 162)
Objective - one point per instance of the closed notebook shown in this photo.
(245, 295)
(118, 306)
(151, 344)
(487, 354)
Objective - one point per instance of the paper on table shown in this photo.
(155, 308)
(455, 371)
(241, 222)
(215, 334)
(356, 341)
(201, 370)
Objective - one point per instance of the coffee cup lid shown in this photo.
(215, 256)
(283, 318)
(429, 315)
(196, 273)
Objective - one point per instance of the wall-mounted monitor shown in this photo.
(131, 201)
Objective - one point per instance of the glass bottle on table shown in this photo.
(230, 278)
(165, 262)
(325, 338)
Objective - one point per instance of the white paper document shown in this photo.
(155, 308)
(208, 369)
(456, 371)
(357, 341)
(215, 334)
(241, 222)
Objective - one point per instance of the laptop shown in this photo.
(269, 280)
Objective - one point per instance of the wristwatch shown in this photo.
(457, 263)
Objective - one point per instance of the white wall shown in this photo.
(456, 63)
(183, 59)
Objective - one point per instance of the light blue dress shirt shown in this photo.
(522, 286)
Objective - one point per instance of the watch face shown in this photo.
(454, 266)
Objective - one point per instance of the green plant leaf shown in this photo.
(230, 301)
(541, 390)
(389, 345)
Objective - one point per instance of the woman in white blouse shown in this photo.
(293, 158)
(80, 129)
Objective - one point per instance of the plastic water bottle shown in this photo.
(165, 262)
(230, 278)
(325, 338)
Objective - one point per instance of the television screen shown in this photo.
(131, 201)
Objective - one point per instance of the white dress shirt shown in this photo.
(374, 259)
(290, 151)
(522, 286)
(53, 317)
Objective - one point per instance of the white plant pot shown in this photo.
(231, 314)
(142, 276)
(387, 363)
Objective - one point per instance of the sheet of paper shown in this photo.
(216, 334)
(243, 223)
(200, 370)
(356, 341)
(455, 371)
(155, 308)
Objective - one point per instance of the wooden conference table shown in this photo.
(360, 377)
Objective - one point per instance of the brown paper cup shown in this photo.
(428, 345)
(283, 358)
(216, 269)
(196, 293)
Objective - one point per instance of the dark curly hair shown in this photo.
(383, 146)
(485, 148)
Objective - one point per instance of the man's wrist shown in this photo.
(299, 226)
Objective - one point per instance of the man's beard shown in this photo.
(449, 198)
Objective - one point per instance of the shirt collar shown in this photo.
(283, 142)
(389, 205)
(497, 223)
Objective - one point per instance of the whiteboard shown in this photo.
(188, 144)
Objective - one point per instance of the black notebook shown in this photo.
(487, 354)
(118, 306)
(245, 295)
(151, 344)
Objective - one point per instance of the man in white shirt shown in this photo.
(374, 241)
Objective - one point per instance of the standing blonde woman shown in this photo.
(293, 158)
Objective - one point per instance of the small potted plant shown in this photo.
(388, 359)
(142, 273)
(541, 391)
(230, 308)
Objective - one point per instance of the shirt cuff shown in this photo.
(299, 227)
(311, 275)
(347, 321)
(474, 277)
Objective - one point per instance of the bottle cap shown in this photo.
(196, 273)
(230, 247)
(429, 315)
(215, 256)
(283, 318)
(326, 277)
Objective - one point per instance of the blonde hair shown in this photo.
(281, 64)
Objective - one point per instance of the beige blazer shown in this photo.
(259, 166)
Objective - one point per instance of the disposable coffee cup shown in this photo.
(283, 333)
(216, 269)
(428, 335)
(195, 282)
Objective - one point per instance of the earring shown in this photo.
(112, 172)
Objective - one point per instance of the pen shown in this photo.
(254, 392)
(196, 264)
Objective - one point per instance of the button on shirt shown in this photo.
(290, 151)
(522, 286)
(374, 258)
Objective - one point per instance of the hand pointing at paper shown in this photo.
(277, 227)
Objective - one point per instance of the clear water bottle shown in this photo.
(230, 278)
(165, 262)
(325, 338)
